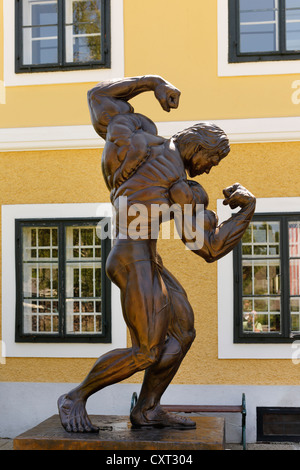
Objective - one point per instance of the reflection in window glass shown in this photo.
(292, 15)
(83, 289)
(294, 271)
(40, 280)
(295, 313)
(83, 35)
(40, 32)
(259, 26)
(261, 277)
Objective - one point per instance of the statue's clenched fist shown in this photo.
(167, 95)
(237, 196)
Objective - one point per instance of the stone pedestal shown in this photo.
(117, 434)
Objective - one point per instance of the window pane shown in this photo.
(256, 4)
(274, 278)
(258, 38)
(261, 314)
(255, 323)
(294, 277)
(292, 10)
(83, 243)
(83, 277)
(261, 239)
(40, 32)
(83, 30)
(294, 239)
(275, 323)
(292, 25)
(261, 277)
(44, 52)
(40, 280)
(86, 49)
(295, 314)
(293, 35)
(260, 232)
(273, 232)
(294, 252)
(87, 236)
(259, 26)
(247, 278)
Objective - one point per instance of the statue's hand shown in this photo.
(167, 95)
(237, 196)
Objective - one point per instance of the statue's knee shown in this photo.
(189, 339)
(146, 357)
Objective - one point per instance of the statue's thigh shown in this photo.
(145, 303)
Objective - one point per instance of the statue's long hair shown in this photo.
(202, 135)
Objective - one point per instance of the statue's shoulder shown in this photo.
(129, 140)
(199, 193)
(124, 125)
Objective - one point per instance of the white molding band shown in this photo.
(2, 92)
(286, 129)
(47, 138)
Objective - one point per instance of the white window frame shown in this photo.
(81, 350)
(227, 349)
(226, 69)
(73, 76)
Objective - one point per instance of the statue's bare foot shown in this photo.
(157, 417)
(73, 415)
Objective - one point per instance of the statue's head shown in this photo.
(201, 147)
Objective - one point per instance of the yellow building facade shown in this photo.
(50, 164)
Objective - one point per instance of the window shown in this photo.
(62, 291)
(62, 34)
(267, 280)
(264, 30)
(278, 424)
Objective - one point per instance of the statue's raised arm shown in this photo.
(110, 98)
(128, 135)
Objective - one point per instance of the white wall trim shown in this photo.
(285, 129)
(226, 348)
(45, 138)
(225, 69)
(13, 349)
(2, 93)
(51, 78)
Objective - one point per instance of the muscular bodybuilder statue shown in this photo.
(148, 169)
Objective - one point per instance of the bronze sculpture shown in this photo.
(148, 169)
